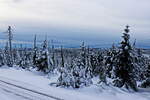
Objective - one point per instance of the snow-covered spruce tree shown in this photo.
(81, 69)
(146, 82)
(25, 60)
(81, 74)
(76, 74)
(98, 65)
(1, 58)
(148, 71)
(52, 60)
(42, 62)
(21, 58)
(34, 52)
(96, 62)
(141, 63)
(35, 57)
(10, 37)
(124, 68)
(65, 79)
(110, 61)
(15, 56)
(7, 58)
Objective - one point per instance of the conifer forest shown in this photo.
(122, 65)
(74, 50)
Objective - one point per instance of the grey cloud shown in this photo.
(17, 1)
(86, 14)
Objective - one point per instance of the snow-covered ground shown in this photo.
(39, 82)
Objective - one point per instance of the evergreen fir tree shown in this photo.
(65, 79)
(146, 82)
(53, 61)
(42, 61)
(148, 71)
(34, 52)
(110, 61)
(7, 58)
(77, 73)
(124, 75)
(98, 65)
(81, 74)
(15, 56)
(1, 58)
(141, 62)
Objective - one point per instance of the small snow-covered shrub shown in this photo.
(145, 83)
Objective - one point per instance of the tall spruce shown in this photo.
(10, 36)
(124, 68)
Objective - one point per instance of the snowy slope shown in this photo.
(39, 82)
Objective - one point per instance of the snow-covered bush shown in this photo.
(145, 83)
(75, 76)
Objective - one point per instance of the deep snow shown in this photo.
(38, 81)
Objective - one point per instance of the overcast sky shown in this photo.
(76, 17)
